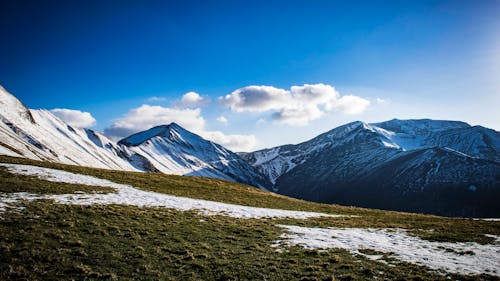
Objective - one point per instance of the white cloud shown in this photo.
(380, 101)
(222, 119)
(349, 104)
(75, 118)
(193, 99)
(297, 116)
(156, 99)
(147, 116)
(315, 94)
(256, 98)
(297, 106)
(233, 142)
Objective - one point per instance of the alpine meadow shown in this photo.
(257, 140)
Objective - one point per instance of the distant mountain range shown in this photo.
(40, 135)
(431, 166)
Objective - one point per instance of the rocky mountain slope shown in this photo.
(40, 135)
(441, 167)
(173, 150)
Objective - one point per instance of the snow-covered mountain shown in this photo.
(442, 167)
(40, 135)
(174, 150)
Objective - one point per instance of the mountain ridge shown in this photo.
(426, 156)
(418, 165)
(40, 135)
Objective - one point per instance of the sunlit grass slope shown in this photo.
(46, 241)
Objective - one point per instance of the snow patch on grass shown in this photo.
(462, 258)
(128, 195)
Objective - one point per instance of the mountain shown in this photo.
(170, 149)
(40, 135)
(432, 166)
(174, 150)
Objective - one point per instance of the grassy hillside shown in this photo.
(46, 241)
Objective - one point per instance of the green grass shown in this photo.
(52, 242)
(21, 183)
(67, 242)
(428, 227)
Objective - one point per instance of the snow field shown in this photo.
(128, 195)
(461, 258)
(441, 256)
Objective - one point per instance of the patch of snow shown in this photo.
(457, 152)
(391, 145)
(128, 195)
(8, 152)
(9, 200)
(442, 256)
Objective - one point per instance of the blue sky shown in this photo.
(407, 59)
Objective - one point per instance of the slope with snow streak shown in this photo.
(475, 141)
(443, 256)
(128, 195)
(170, 149)
(174, 150)
(278, 161)
(405, 247)
(431, 166)
(40, 135)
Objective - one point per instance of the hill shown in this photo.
(72, 222)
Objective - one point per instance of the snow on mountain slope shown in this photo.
(400, 135)
(38, 134)
(277, 161)
(414, 165)
(399, 244)
(172, 149)
(475, 141)
(129, 195)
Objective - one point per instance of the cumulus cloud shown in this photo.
(256, 98)
(75, 118)
(350, 104)
(297, 106)
(147, 116)
(233, 142)
(193, 99)
(298, 116)
(222, 119)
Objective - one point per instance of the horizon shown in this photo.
(250, 75)
(284, 144)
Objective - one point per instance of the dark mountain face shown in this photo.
(440, 167)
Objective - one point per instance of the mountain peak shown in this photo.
(173, 149)
(418, 125)
(172, 132)
(175, 126)
(143, 136)
(12, 108)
